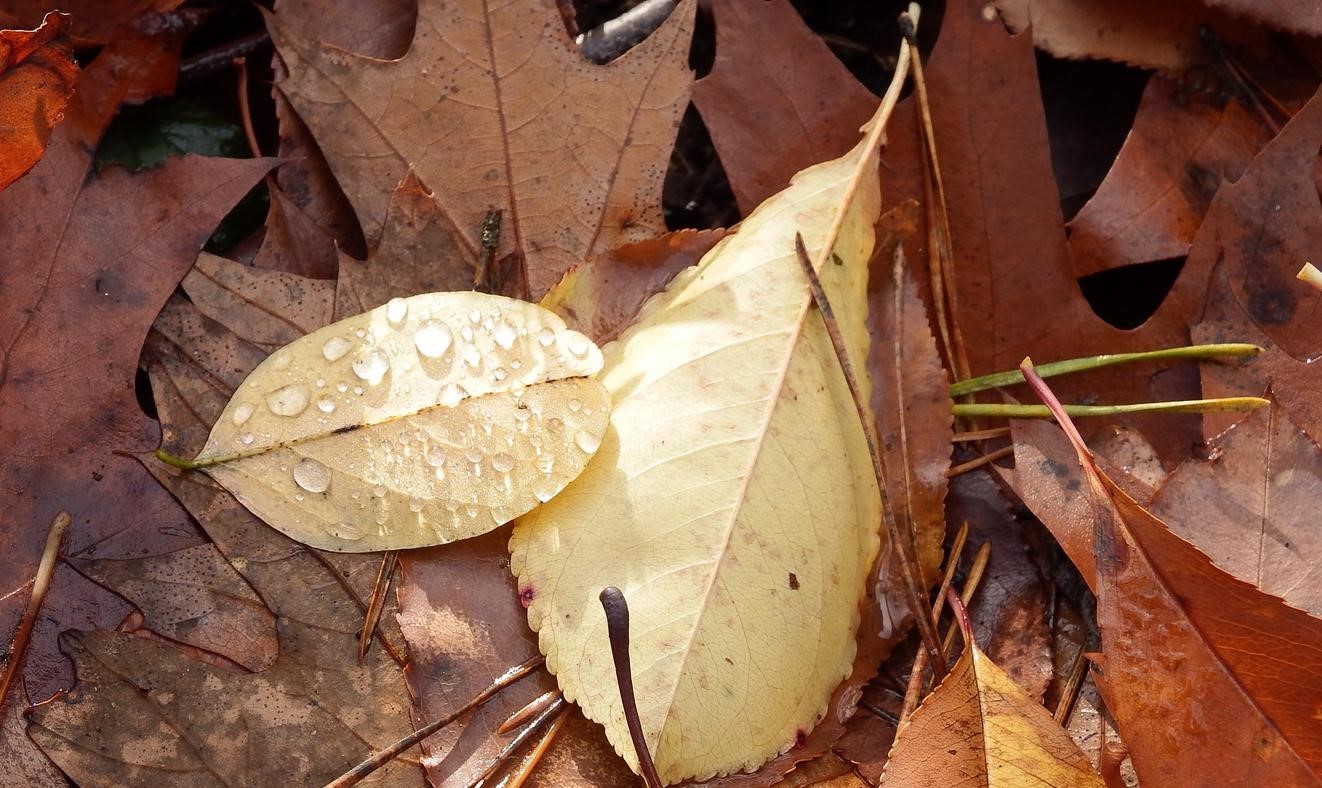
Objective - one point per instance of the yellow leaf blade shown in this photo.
(733, 500)
(423, 421)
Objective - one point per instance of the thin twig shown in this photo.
(383, 756)
(973, 436)
(221, 57)
(384, 575)
(978, 462)
(1016, 411)
(617, 629)
(40, 585)
(914, 688)
(245, 110)
(560, 707)
(530, 763)
(908, 553)
(1069, 693)
(532, 709)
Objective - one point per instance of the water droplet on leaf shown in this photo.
(312, 475)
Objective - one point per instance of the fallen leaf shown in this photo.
(154, 712)
(1262, 226)
(374, 432)
(601, 298)
(192, 596)
(1209, 678)
(37, 72)
(1252, 507)
(777, 100)
(1183, 146)
(1296, 16)
(573, 153)
(269, 308)
(733, 437)
(94, 21)
(1163, 36)
(89, 261)
(979, 727)
(380, 28)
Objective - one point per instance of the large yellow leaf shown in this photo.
(423, 421)
(733, 500)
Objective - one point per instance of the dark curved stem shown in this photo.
(617, 629)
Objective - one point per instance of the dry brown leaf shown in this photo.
(1148, 35)
(88, 263)
(777, 100)
(1253, 507)
(269, 308)
(1210, 679)
(978, 727)
(37, 72)
(573, 153)
(1296, 16)
(1184, 145)
(94, 21)
(135, 694)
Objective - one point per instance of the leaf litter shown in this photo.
(194, 354)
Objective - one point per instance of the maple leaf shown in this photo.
(497, 109)
(89, 263)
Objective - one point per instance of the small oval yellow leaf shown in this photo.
(426, 420)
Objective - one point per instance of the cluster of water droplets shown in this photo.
(473, 460)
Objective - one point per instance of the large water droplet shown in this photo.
(587, 441)
(326, 405)
(242, 413)
(312, 475)
(577, 344)
(473, 455)
(502, 462)
(472, 356)
(335, 348)
(288, 400)
(546, 337)
(415, 504)
(396, 310)
(545, 463)
(544, 489)
(504, 334)
(452, 394)
(575, 405)
(435, 456)
(371, 366)
(433, 338)
(246, 439)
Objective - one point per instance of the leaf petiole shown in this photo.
(179, 462)
(1015, 411)
(1012, 377)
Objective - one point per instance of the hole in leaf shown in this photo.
(864, 35)
(1127, 296)
(1090, 107)
(142, 390)
(697, 192)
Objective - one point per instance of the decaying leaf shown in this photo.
(979, 728)
(37, 71)
(733, 482)
(426, 420)
(495, 107)
(1254, 506)
(1210, 679)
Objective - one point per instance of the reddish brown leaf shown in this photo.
(265, 307)
(1161, 36)
(573, 153)
(37, 72)
(1210, 679)
(94, 21)
(1183, 146)
(88, 264)
(1264, 226)
(776, 100)
(601, 298)
(1297, 16)
(380, 28)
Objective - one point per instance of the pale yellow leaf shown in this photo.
(733, 501)
(426, 420)
(980, 728)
